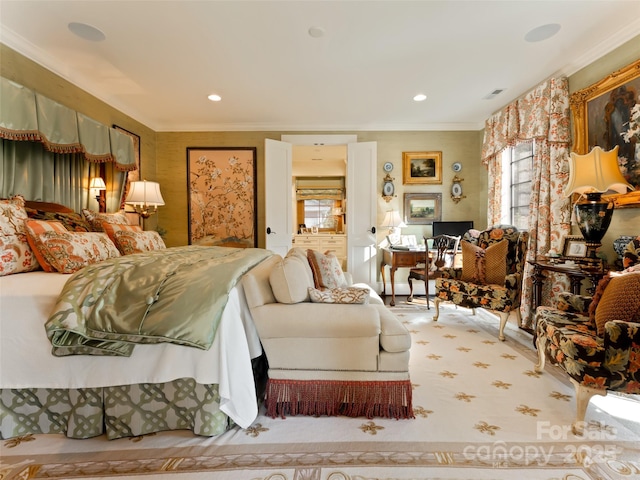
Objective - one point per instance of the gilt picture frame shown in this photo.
(222, 196)
(600, 114)
(421, 168)
(422, 208)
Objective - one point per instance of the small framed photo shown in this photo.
(422, 208)
(421, 168)
(574, 246)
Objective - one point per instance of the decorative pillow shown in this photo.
(327, 271)
(112, 228)
(67, 252)
(74, 222)
(289, 280)
(354, 295)
(95, 219)
(620, 301)
(15, 253)
(129, 242)
(485, 267)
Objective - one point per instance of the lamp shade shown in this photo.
(145, 193)
(597, 171)
(97, 183)
(392, 219)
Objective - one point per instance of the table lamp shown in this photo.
(591, 175)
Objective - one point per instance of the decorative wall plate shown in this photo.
(457, 166)
(388, 166)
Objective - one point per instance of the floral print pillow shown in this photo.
(67, 252)
(348, 295)
(327, 271)
(131, 241)
(95, 219)
(16, 255)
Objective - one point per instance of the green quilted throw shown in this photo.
(172, 295)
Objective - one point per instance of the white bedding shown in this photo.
(26, 360)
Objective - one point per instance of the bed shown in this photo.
(160, 386)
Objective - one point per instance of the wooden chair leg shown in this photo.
(436, 302)
(583, 395)
(410, 298)
(541, 342)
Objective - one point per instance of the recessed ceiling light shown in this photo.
(86, 32)
(316, 32)
(421, 97)
(542, 32)
(214, 98)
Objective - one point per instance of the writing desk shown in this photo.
(396, 259)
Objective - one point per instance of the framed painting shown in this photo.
(132, 175)
(222, 193)
(422, 208)
(420, 168)
(601, 114)
(574, 246)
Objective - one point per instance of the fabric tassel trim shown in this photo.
(386, 399)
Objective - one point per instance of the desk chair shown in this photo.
(442, 255)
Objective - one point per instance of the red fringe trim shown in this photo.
(386, 399)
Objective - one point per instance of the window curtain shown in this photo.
(50, 152)
(540, 116)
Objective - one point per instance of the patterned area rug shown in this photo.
(481, 412)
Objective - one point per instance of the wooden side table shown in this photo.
(576, 274)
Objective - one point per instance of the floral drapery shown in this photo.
(540, 116)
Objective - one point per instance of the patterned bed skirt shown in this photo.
(123, 411)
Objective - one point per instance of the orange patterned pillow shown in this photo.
(15, 253)
(131, 241)
(620, 301)
(35, 229)
(485, 267)
(95, 219)
(112, 228)
(68, 252)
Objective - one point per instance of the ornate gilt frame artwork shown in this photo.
(420, 168)
(422, 208)
(600, 114)
(222, 188)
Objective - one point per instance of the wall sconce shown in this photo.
(591, 175)
(145, 197)
(97, 189)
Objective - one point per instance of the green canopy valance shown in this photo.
(26, 115)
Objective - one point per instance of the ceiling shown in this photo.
(159, 60)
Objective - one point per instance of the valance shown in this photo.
(543, 113)
(26, 115)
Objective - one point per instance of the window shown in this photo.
(517, 169)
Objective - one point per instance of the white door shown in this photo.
(361, 212)
(278, 196)
(361, 205)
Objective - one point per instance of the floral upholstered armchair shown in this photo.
(491, 275)
(596, 341)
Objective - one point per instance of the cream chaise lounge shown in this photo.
(327, 358)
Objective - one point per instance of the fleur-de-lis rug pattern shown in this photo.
(481, 412)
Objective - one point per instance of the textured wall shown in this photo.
(461, 147)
